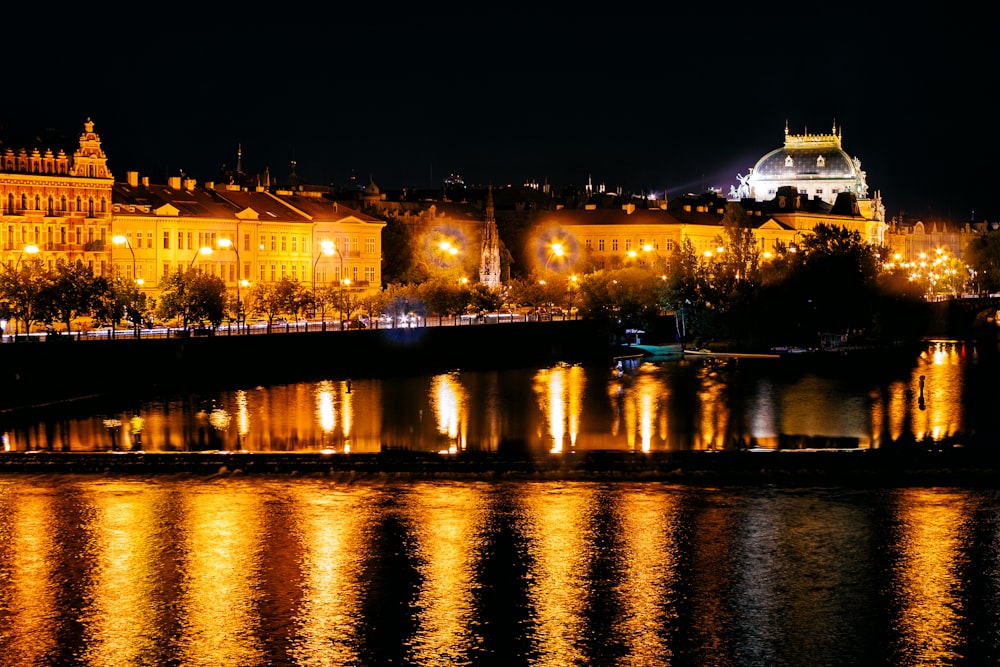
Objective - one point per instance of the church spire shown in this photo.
(489, 263)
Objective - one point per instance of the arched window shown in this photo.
(79, 204)
(38, 202)
(62, 203)
(52, 206)
(10, 203)
(90, 207)
(24, 201)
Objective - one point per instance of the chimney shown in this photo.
(133, 178)
(174, 182)
(190, 183)
(145, 181)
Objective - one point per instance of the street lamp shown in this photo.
(326, 249)
(341, 255)
(205, 250)
(556, 250)
(227, 243)
(30, 249)
(122, 240)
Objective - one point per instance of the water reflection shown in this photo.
(236, 571)
(710, 403)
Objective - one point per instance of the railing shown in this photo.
(279, 327)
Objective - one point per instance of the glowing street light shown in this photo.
(326, 249)
(30, 249)
(228, 244)
(204, 250)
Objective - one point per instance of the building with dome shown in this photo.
(815, 164)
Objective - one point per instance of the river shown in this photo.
(246, 570)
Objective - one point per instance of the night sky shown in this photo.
(675, 100)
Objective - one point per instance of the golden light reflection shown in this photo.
(28, 570)
(222, 553)
(640, 404)
(557, 532)
(331, 524)
(122, 626)
(932, 543)
(242, 413)
(446, 521)
(559, 390)
(649, 588)
(449, 401)
(715, 413)
(936, 389)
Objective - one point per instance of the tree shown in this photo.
(69, 293)
(983, 255)
(22, 290)
(192, 296)
(284, 297)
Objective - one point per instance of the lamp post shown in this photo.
(326, 249)
(31, 250)
(341, 255)
(122, 240)
(204, 250)
(227, 243)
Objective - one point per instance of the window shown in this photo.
(295, 244)
(600, 245)
(274, 242)
(370, 245)
(614, 245)
(274, 272)
(166, 240)
(190, 237)
(284, 246)
(628, 244)
(587, 244)
(370, 274)
(246, 243)
(149, 239)
(166, 269)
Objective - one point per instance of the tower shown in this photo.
(489, 263)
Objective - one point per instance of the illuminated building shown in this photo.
(64, 200)
(276, 234)
(56, 194)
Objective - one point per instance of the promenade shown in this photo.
(867, 468)
(34, 374)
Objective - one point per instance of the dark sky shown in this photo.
(633, 98)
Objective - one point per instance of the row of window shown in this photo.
(267, 271)
(627, 245)
(21, 235)
(52, 204)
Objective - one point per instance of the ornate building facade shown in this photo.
(62, 202)
(56, 201)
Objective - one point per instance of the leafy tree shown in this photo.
(69, 293)
(22, 291)
(484, 300)
(983, 255)
(621, 298)
(444, 297)
(271, 299)
(192, 296)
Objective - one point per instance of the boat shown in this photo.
(664, 351)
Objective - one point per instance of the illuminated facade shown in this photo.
(62, 202)
(56, 198)
(810, 177)
(254, 235)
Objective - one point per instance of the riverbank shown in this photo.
(911, 467)
(42, 373)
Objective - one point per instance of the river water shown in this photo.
(245, 570)
(944, 393)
